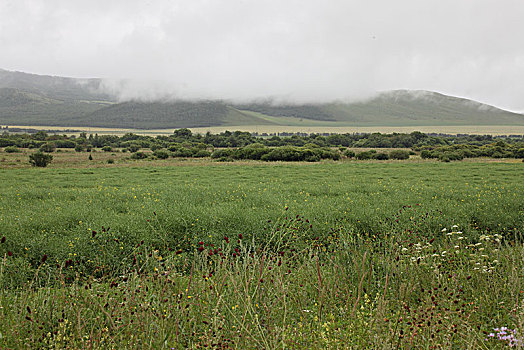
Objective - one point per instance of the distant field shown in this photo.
(452, 130)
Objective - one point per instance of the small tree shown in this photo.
(40, 159)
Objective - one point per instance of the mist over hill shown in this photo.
(31, 99)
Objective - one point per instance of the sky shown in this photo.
(289, 50)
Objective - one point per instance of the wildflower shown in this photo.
(3, 240)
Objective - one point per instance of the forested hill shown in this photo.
(30, 99)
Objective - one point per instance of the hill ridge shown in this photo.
(32, 99)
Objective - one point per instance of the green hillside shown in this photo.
(156, 115)
(19, 107)
(417, 108)
(59, 88)
(29, 99)
(393, 108)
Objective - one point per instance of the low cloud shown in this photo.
(298, 51)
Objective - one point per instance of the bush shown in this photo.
(284, 153)
(349, 153)
(225, 153)
(107, 149)
(79, 148)
(381, 156)
(48, 147)
(425, 154)
(11, 149)
(254, 151)
(40, 159)
(399, 154)
(64, 144)
(449, 156)
(201, 153)
(110, 161)
(183, 153)
(364, 155)
(138, 155)
(161, 154)
(133, 148)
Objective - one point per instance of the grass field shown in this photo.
(413, 254)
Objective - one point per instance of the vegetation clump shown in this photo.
(40, 159)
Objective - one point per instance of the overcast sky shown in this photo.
(298, 50)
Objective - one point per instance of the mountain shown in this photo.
(30, 99)
(59, 88)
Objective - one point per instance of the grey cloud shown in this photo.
(290, 50)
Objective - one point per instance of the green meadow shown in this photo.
(351, 254)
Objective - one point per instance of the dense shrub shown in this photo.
(133, 147)
(426, 154)
(364, 155)
(222, 153)
(11, 149)
(40, 159)
(381, 156)
(161, 154)
(6, 142)
(399, 154)
(107, 149)
(48, 147)
(349, 154)
(294, 154)
(254, 151)
(64, 143)
(138, 155)
(183, 153)
(201, 153)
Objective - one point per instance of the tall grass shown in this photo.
(448, 291)
(287, 256)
